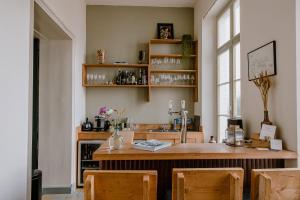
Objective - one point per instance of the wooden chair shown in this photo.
(117, 185)
(275, 184)
(208, 184)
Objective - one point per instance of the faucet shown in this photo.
(183, 113)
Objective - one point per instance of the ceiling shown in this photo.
(152, 3)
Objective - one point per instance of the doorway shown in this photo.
(52, 104)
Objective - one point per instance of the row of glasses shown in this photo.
(172, 79)
(96, 79)
(166, 60)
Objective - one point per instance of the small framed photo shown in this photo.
(262, 60)
(165, 31)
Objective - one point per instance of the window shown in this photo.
(228, 66)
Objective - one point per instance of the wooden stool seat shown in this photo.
(208, 184)
(122, 184)
(275, 184)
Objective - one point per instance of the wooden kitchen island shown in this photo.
(190, 156)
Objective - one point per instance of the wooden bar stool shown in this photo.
(120, 184)
(275, 184)
(208, 184)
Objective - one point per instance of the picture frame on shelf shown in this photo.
(165, 31)
(262, 60)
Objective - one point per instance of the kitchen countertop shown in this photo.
(192, 151)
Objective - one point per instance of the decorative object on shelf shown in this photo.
(263, 83)
(142, 57)
(87, 125)
(165, 31)
(187, 45)
(262, 60)
(100, 56)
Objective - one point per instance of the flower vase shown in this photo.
(116, 140)
(266, 118)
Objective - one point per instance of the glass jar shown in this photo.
(234, 136)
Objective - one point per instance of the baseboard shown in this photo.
(57, 190)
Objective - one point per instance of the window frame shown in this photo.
(229, 45)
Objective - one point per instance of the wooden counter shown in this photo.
(192, 151)
(192, 137)
(191, 156)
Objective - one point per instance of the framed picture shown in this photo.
(262, 59)
(165, 31)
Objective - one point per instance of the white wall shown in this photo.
(205, 30)
(298, 74)
(55, 127)
(71, 14)
(262, 22)
(15, 73)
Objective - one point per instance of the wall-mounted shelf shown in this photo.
(170, 56)
(167, 41)
(156, 72)
(192, 71)
(172, 71)
(173, 86)
(116, 86)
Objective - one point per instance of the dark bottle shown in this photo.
(140, 78)
(119, 78)
(123, 82)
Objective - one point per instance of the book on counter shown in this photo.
(151, 145)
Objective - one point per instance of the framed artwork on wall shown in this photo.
(262, 60)
(165, 31)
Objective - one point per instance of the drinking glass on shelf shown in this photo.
(178, 61)
(193, 80)
(157, 81)
(95, 79)
(188, 78)
(91, 79)
(152, 79)
(88, 78)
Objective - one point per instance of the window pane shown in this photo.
(236, 13)
(224, 28)
(222, 124)
(223, 100)
(236, 62)
(237, 99)
(223, 67)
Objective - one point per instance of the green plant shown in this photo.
(187, 45)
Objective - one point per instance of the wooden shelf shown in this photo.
(167, 41)
(117, 65)
(173, 86)
(116, 86)
(172, 71)
(170, 56)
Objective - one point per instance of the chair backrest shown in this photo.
(208, 184)
(275, 184)
(117, 185)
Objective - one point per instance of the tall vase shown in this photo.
(266, 118)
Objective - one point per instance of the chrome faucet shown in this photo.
(183, 113)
